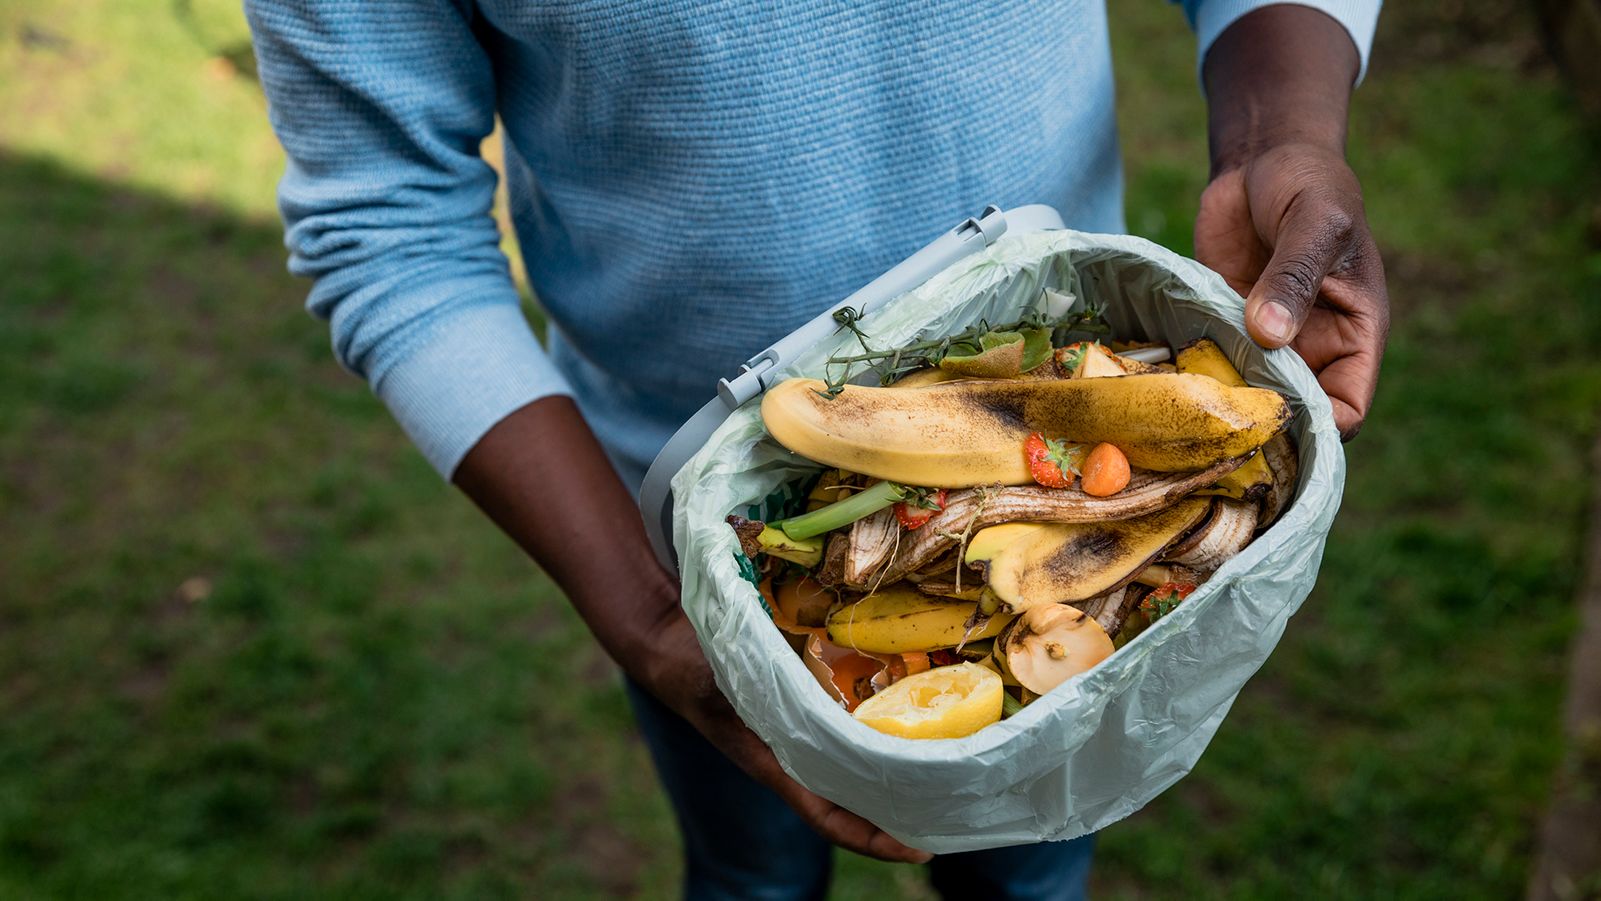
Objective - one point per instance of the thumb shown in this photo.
(1308, 248)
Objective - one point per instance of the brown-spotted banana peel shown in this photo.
(1253, 480)
(900, 619)
(877, 560)
(967, 433)
(1225, 533)
(1029, 565)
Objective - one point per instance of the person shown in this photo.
(690, 180)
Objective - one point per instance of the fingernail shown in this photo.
(1274, 322)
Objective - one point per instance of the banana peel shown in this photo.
(966, 433)
(1203, 357)
(1250, 483)
(971, 591)
(1254, 479)
(757, 537)
(901, 619)
(967, 511)
(1030, 565)
(1285, 465)
(1225, 533)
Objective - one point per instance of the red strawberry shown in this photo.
(1052, 462)
(920, 508)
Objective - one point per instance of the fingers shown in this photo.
(1347, 419)
(1349, 383)
(1323, 291)
(831, 821)
(853, 833)
(1343, 341)
(1312, 239)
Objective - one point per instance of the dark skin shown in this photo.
(1282, 220)
(542, 477)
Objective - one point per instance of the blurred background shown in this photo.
(250, 646)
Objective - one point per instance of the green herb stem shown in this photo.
(843, 512)
(1010, 706)
(891, 363)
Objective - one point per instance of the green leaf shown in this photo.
(1160, 603)
(1000, 356)
(1068, 457)
(1036, 347)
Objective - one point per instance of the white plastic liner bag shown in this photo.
(1103, 744)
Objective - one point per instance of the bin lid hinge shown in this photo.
(989, 225)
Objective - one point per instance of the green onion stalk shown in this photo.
(843, 512)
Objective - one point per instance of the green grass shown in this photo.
(251, 647)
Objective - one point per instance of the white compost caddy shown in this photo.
(1101, 745)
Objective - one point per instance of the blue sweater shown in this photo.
(689, 179)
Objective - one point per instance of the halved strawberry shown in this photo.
(920, 508)
(1052, 462)
(1070, 357)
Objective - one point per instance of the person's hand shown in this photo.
(1286, 229)
(543, 478)
(677, 673)
(1282, 220)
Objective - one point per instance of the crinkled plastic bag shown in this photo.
(1101, 745)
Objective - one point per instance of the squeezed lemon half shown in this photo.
(948, 702)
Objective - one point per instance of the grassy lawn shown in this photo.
(251, 647)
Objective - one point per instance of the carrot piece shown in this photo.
(1105, 471)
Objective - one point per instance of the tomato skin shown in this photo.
(1168, 595)
(853, 676)
(1049, 462)
(1182, 589)
(913, 517)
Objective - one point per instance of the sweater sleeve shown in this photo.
(381, 108)
(1211, 18)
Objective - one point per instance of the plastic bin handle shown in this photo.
(972, 235)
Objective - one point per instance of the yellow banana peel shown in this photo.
(966, 433)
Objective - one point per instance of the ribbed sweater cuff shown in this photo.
(1360, 18)
(474, 368)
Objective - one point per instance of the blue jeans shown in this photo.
(741, 842)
